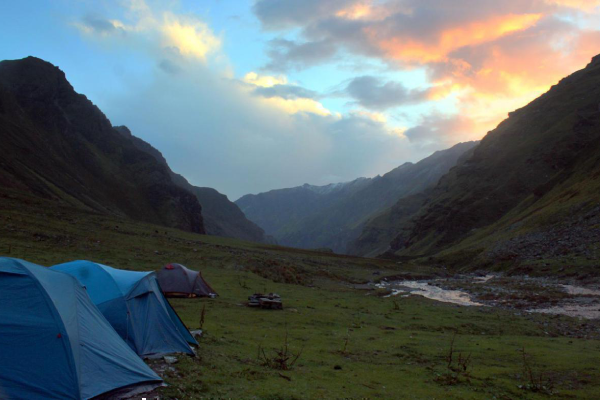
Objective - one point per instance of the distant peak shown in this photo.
(32, 61)
(34, 75)
(35, 59)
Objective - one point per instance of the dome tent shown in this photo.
(175, 280)
(55, 344)
(134, 305)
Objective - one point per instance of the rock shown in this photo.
(170, 359)
(196, 333)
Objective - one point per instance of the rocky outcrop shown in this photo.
(576, 236)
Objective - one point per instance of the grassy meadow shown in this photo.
(350, 343)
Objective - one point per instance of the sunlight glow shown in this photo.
(264, 80)
(193, 39)
(356, 11)
(300, 105)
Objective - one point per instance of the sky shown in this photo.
(247, 96)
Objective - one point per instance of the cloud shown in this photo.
(436, 129)
(264, 80)
(404, 46)
(218, 133)
(292, 99)
(169, 66)
(487, 57)
(92, 24)
(183, 35)
(362, 10)
(286, 54)
(375, 116)
(278, 14)
(422, 31)
(297, 105)
(285, 92)
(252, 134)
(492, 79)
(263, 132)
(190, 36)
(583, 5)
(372, 93)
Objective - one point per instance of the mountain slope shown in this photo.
(332, 216)
(280, 211)
(379, 231)
(531, 184)
(221, 216)
(224, 218)
(56, 144)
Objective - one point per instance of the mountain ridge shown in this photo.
(85, 162)
(57, 144)
(533, 180)
(331, 216)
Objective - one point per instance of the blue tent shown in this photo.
(135, 306)
(55, 344)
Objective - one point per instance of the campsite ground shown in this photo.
(354, 343)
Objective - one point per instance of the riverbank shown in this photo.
(521, 295)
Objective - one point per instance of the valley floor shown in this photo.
(353, 343)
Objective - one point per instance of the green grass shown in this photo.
(391, 352)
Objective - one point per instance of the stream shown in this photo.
(585, 303)
(572, 300)
(430, 291)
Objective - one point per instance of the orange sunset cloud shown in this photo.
(486, 57)
(474, 33)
